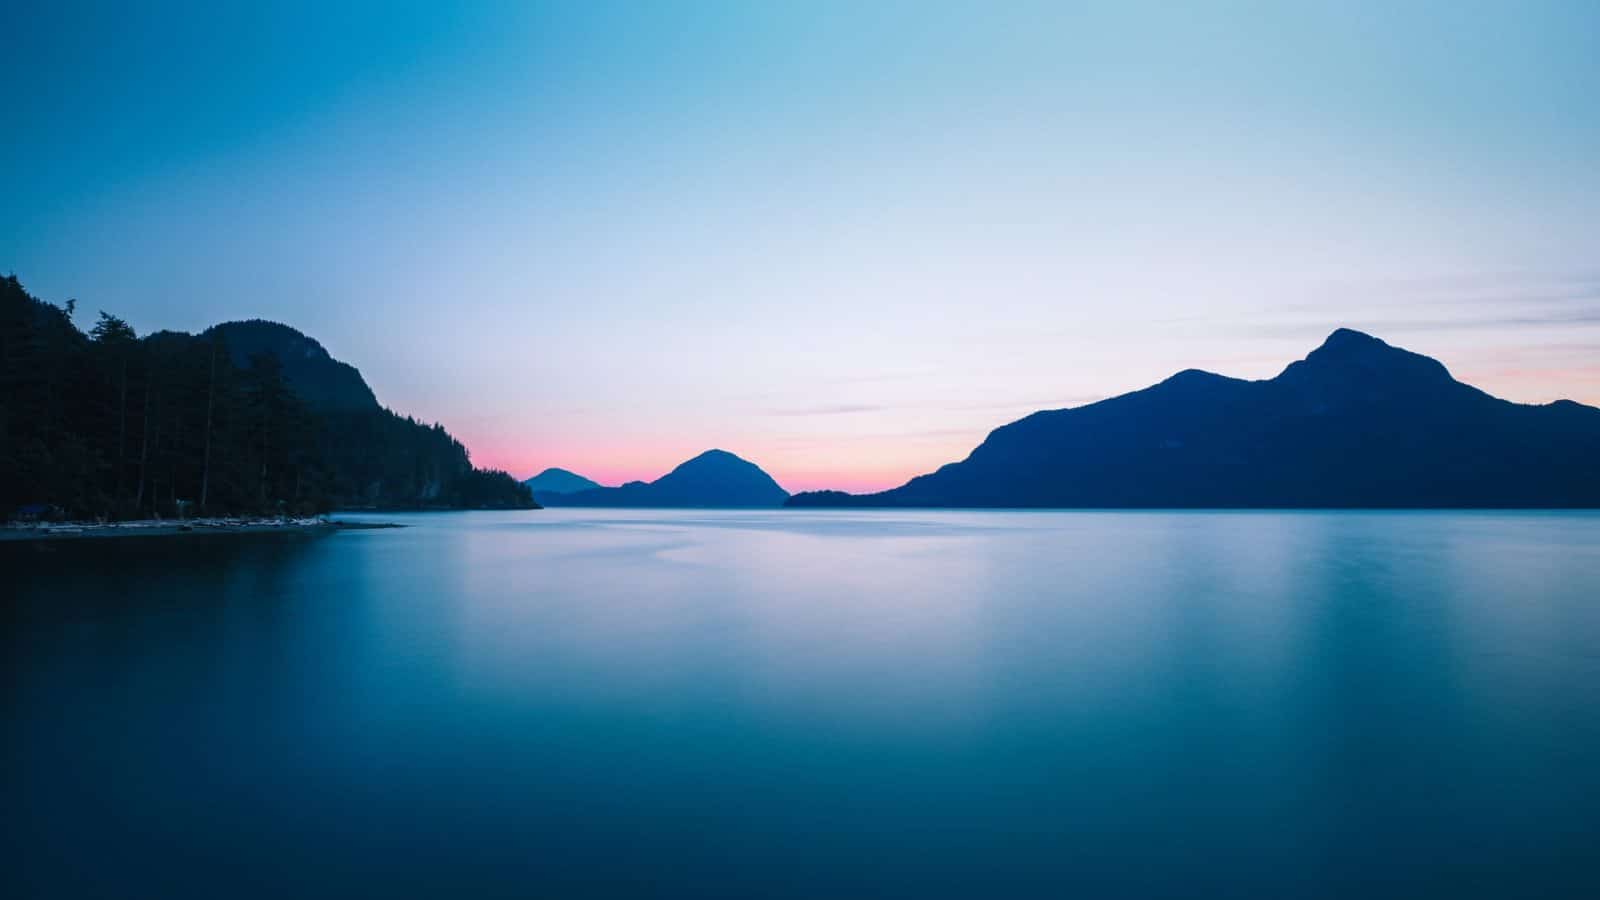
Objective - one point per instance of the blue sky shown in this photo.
(843, 240)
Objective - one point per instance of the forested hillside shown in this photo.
(111, 424)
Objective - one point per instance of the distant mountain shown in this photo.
(324, 383)
(715, 478)
(559, 481)
(1357, 423)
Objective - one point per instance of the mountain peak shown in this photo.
(718, 464)
(323, 382)
(1348, 353)
(1349, 337)
(713, 455)
(715, 478)
(559, 481)
(1194, 377)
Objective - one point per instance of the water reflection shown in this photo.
(935, 703)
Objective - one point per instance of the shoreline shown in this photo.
(149, 528)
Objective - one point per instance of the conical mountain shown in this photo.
(559, 481)
(715, 478)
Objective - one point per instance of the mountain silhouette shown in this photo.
(559, 481)
(323, 382)
(1357, 423)
(373, 456)
(110, 424)
(715, 478)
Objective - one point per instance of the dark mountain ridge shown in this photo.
(714, 479)
(1356, 424)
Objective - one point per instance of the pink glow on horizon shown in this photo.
(845, 463)
(612, 472)
(795, 472)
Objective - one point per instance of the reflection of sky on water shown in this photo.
(1165, 699)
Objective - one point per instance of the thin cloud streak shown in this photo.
(830, 410)
(1379, 327)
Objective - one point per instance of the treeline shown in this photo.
(111, 424)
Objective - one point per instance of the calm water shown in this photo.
(812, 704)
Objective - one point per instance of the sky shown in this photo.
(844, 240)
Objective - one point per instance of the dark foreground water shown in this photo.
(812, 704)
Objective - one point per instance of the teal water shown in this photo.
(809, 704)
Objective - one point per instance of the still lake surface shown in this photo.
(812, 703)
